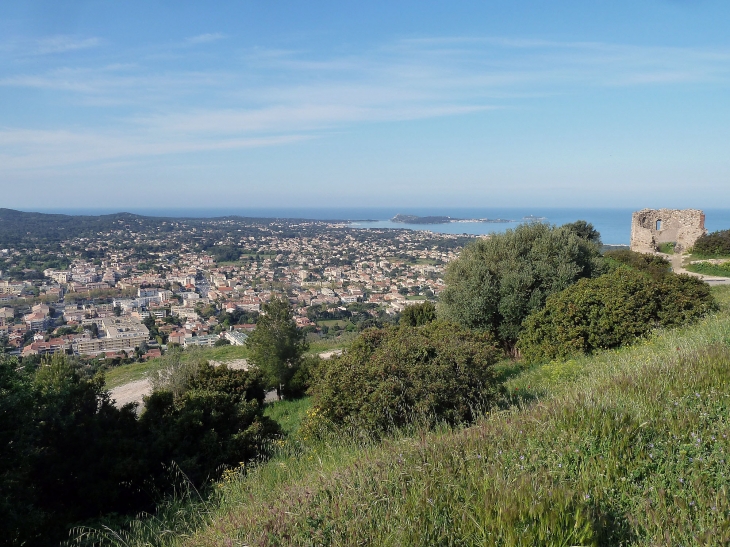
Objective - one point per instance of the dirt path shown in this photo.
(131, 392)
(677, 267)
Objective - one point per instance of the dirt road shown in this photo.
(133, 392)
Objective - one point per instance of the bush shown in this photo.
(393, 376)
(497, 282)
(610, 311)
(418, 315)
(716, 243)
(654, 265)
(216, 420)
(67, 454)
(303, 378)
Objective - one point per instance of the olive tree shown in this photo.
(496, 282)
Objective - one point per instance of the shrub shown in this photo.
(418, 314)
(610, 311)
(67, 453)
(654, 265)
(215, 420)
(390, 377)
(715, 243)
(497, 282)
(303, 378)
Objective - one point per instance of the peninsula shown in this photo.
(414, 219)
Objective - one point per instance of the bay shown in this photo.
(614, 224)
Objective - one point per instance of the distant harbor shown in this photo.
(415, 219)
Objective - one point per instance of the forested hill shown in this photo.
(20, 228)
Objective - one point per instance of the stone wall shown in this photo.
(651, 227)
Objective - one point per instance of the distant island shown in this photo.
(414, 219)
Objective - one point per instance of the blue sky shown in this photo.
(263, 104)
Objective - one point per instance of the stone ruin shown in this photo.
(652, 227)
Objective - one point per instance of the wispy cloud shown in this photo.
(62, 44)
(205, 38)
(275, 97)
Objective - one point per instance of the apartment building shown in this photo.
(119, 333)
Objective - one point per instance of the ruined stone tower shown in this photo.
(651, 227)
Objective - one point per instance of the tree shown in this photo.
(418, 315)
(276, 345)
(584, 230)
(495, 283)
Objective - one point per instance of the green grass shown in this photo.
(289, 414)
(342, 323)
(416, 297)
(626, 447)
(667, 248)
(124, 374)
(328, 344)
(704, 256)
(707, 268)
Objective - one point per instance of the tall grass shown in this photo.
(626, 447)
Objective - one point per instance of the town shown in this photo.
(139, 285)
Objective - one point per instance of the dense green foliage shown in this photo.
(68, 454)
(215, 421)
(389, 377)
(276, 345)
(496, 283)
(584, 230)
(713, 244)
(225, 253)
(610, 311)
(418, 314)
(654, 265)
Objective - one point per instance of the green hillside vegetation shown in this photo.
(625, 446)
(393, 376)
(611, 311)
(712, 245)
(496, 283)
(69, 455)
(609, 429)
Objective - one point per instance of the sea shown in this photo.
(613, 224)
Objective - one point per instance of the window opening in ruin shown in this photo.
(658, 225)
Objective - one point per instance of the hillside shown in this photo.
(627, 447)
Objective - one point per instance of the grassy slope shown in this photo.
(626, 447)
(136, 371)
